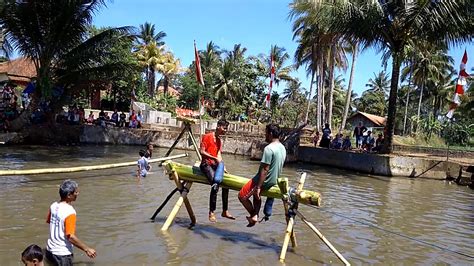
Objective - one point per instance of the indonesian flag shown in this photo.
(199, 77)
(461, 82)
(272, 78)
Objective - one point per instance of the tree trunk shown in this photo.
(309, 97)
(165, 85)
(151, 82)
(408, 98)
(332, 63)
(392, 102)
(321, 82)
(419, 108)
(349, 87)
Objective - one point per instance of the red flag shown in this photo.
(459, 88)
(199, 77)
(272, 78)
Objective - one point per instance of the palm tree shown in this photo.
(391, 24)
(147, 35)
(379, 83)
(355, 52)
(147, 39)
(169, 67)
(429, 63)
(57, 45)
(292, 90)
(151, 56)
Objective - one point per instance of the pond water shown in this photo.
(369, 219)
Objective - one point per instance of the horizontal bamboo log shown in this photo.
(234, 182)
(82, 168)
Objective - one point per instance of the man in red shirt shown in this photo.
(212, 167)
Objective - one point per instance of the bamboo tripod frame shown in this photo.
(289, 202)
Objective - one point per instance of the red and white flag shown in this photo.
(272, 79)
(199, 77)
(461, 82)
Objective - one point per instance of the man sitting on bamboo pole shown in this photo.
(212, 167)
(271, 165)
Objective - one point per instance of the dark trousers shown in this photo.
(209, 171)
(59, 260)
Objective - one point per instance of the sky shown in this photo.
(256, 25)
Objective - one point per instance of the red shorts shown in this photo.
(248, 190)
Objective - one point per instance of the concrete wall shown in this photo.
(233, 144)
(379, 164)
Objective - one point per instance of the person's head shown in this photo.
(317, 133)
(32, 256)
(347, 137)
(369, 132)
(380, 135)
(326, 125)
(272, 131)
(222, 125)
(149, 146)
(360, 123)
(91, 113)
(341, 136)
(141, 153)
(69, 190)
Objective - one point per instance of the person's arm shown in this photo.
(91, 253)
(263, 175)
(70, 230)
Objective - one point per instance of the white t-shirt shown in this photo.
(62, 217)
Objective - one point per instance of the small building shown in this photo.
(171, 91)
(370, 121)
(19, 71)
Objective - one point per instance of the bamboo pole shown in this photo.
(321, 236)
(82, 168)
(193, 140)
(176, 208)
(186, 200)
(189, 173)
(284, 248)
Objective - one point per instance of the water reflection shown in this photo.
(114, 211)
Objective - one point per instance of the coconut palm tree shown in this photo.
(169, 67)
(147, 39)
(354, 51)
(151, 56)
(379, 83)
(391, 24)
(57, 44)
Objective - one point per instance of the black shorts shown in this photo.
(59, 260)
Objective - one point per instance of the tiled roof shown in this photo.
(377, 120)
(20, 69)
(172, 91)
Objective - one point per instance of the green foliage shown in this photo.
(458, 133)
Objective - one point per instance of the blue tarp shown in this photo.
(30, 88)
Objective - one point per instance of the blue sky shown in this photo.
(255, 24)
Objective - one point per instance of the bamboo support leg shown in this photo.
(196, 148)
(284, 248)
(321, 236)
(177, 140)
(187, 186)
(283, 185)
(176, 208)
(293, 234)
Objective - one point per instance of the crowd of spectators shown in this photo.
(76, 115)
(364, 140)
(8, 106)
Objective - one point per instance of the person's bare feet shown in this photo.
(226, 214)
(212, 217)
(252, 220)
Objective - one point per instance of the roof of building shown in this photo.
(172, 91)
(20, 69)
(377, 120)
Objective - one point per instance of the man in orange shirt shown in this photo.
(213, 168)
(62, 227)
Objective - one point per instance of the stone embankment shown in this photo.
(241, 140)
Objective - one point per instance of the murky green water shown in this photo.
(114, 211)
